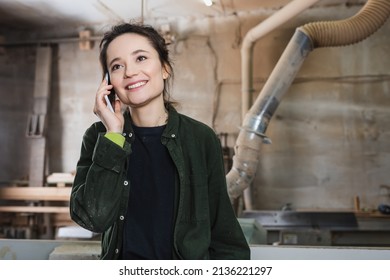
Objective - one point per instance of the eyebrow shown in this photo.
(133, 53)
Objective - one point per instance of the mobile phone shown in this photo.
(111, 97)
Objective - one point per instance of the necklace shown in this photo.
(148, 122)
(162, 119)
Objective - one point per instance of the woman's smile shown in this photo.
(136, 85)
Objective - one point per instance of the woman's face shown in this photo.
(135, 70)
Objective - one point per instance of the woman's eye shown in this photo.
(141, 58)
(115, 67)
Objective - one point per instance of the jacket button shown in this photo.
(130, 134)
(125, 183)
(121, 218)
(124, 134)
(116, 251)
(173, 135)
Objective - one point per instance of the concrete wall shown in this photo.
(330, 134)
(17, 82)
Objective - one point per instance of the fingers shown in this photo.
(112, 119)
(100, 101)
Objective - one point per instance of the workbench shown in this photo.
(323, 228)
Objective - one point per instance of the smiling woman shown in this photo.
(177, 206)
(137, 76)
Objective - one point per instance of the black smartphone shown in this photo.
(111, 97)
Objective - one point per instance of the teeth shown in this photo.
(136, 85)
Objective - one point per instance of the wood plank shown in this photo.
(35, 209)
(35, 193)
(62, 219)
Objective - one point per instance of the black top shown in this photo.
(148, 231)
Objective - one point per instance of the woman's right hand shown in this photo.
(113, 121)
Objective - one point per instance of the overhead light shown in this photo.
(208, 3)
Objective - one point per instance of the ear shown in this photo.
(165, 72)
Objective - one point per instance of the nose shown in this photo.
(131, 70)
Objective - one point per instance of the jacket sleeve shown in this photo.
(98, 190)
(227, 238)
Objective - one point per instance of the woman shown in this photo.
(151, 180)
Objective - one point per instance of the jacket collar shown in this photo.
(171, 130)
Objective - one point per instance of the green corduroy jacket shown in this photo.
(205, 225)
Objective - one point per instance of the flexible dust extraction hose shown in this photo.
(349, 31)
(306, 38)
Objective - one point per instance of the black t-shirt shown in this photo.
(148, 231)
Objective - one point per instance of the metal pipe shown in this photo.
(286, 13)
(289, 11)
(252, 134)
